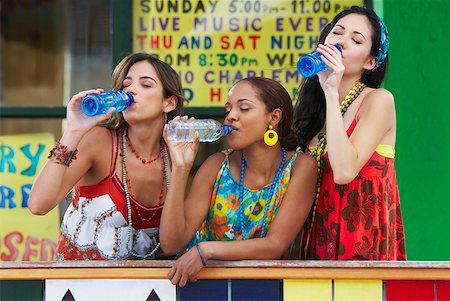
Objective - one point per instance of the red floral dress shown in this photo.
(360, 220)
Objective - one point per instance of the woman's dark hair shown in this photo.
(170, 81)
(310, 108)
(275, 96)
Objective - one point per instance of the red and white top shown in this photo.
(95, 224)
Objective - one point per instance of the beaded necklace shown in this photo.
(163, 176)
(127, 195)
(143, 219)
(272, 186)
(321, 146)
(143, 160)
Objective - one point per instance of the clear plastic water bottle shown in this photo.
(209, 130)
(96, 104)
(311, 64)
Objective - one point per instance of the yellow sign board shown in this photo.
(24, 236)
(212, 44)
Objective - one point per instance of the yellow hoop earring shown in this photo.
(270, 137)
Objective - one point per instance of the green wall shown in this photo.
(419, 78)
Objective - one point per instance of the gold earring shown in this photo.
(270, 137)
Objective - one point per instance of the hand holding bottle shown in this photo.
(330, 78)
(79, 123)
(312, 63)
(182, 153)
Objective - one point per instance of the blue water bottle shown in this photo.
(311, 64)
(96, 104)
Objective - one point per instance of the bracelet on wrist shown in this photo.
(61, 155)
(201, 256)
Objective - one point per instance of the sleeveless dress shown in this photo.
(361, 220)
(222, 222)
(95, 225)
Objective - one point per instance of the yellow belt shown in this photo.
(385, 150)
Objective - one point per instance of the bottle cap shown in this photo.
(130, 96)
(227, 129)
(338, 47)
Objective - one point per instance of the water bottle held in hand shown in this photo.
(96, 104)
(209, 130)
(311, 64)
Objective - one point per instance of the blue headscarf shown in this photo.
(384, 45)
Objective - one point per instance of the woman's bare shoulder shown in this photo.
(379, 97)
(98, 135)
(214, 161)
(305, 163)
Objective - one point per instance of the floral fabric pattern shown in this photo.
(222, 220)
(361, 220)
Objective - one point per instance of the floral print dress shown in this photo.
(361, 220)
(222, 222)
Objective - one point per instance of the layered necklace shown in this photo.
(269, 196)
(125, 180)
(354, 92)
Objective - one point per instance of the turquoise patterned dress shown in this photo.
(222, 221)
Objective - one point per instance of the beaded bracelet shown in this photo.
(200, 254)
(59, 154)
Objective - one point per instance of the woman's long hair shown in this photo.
(310, 108)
